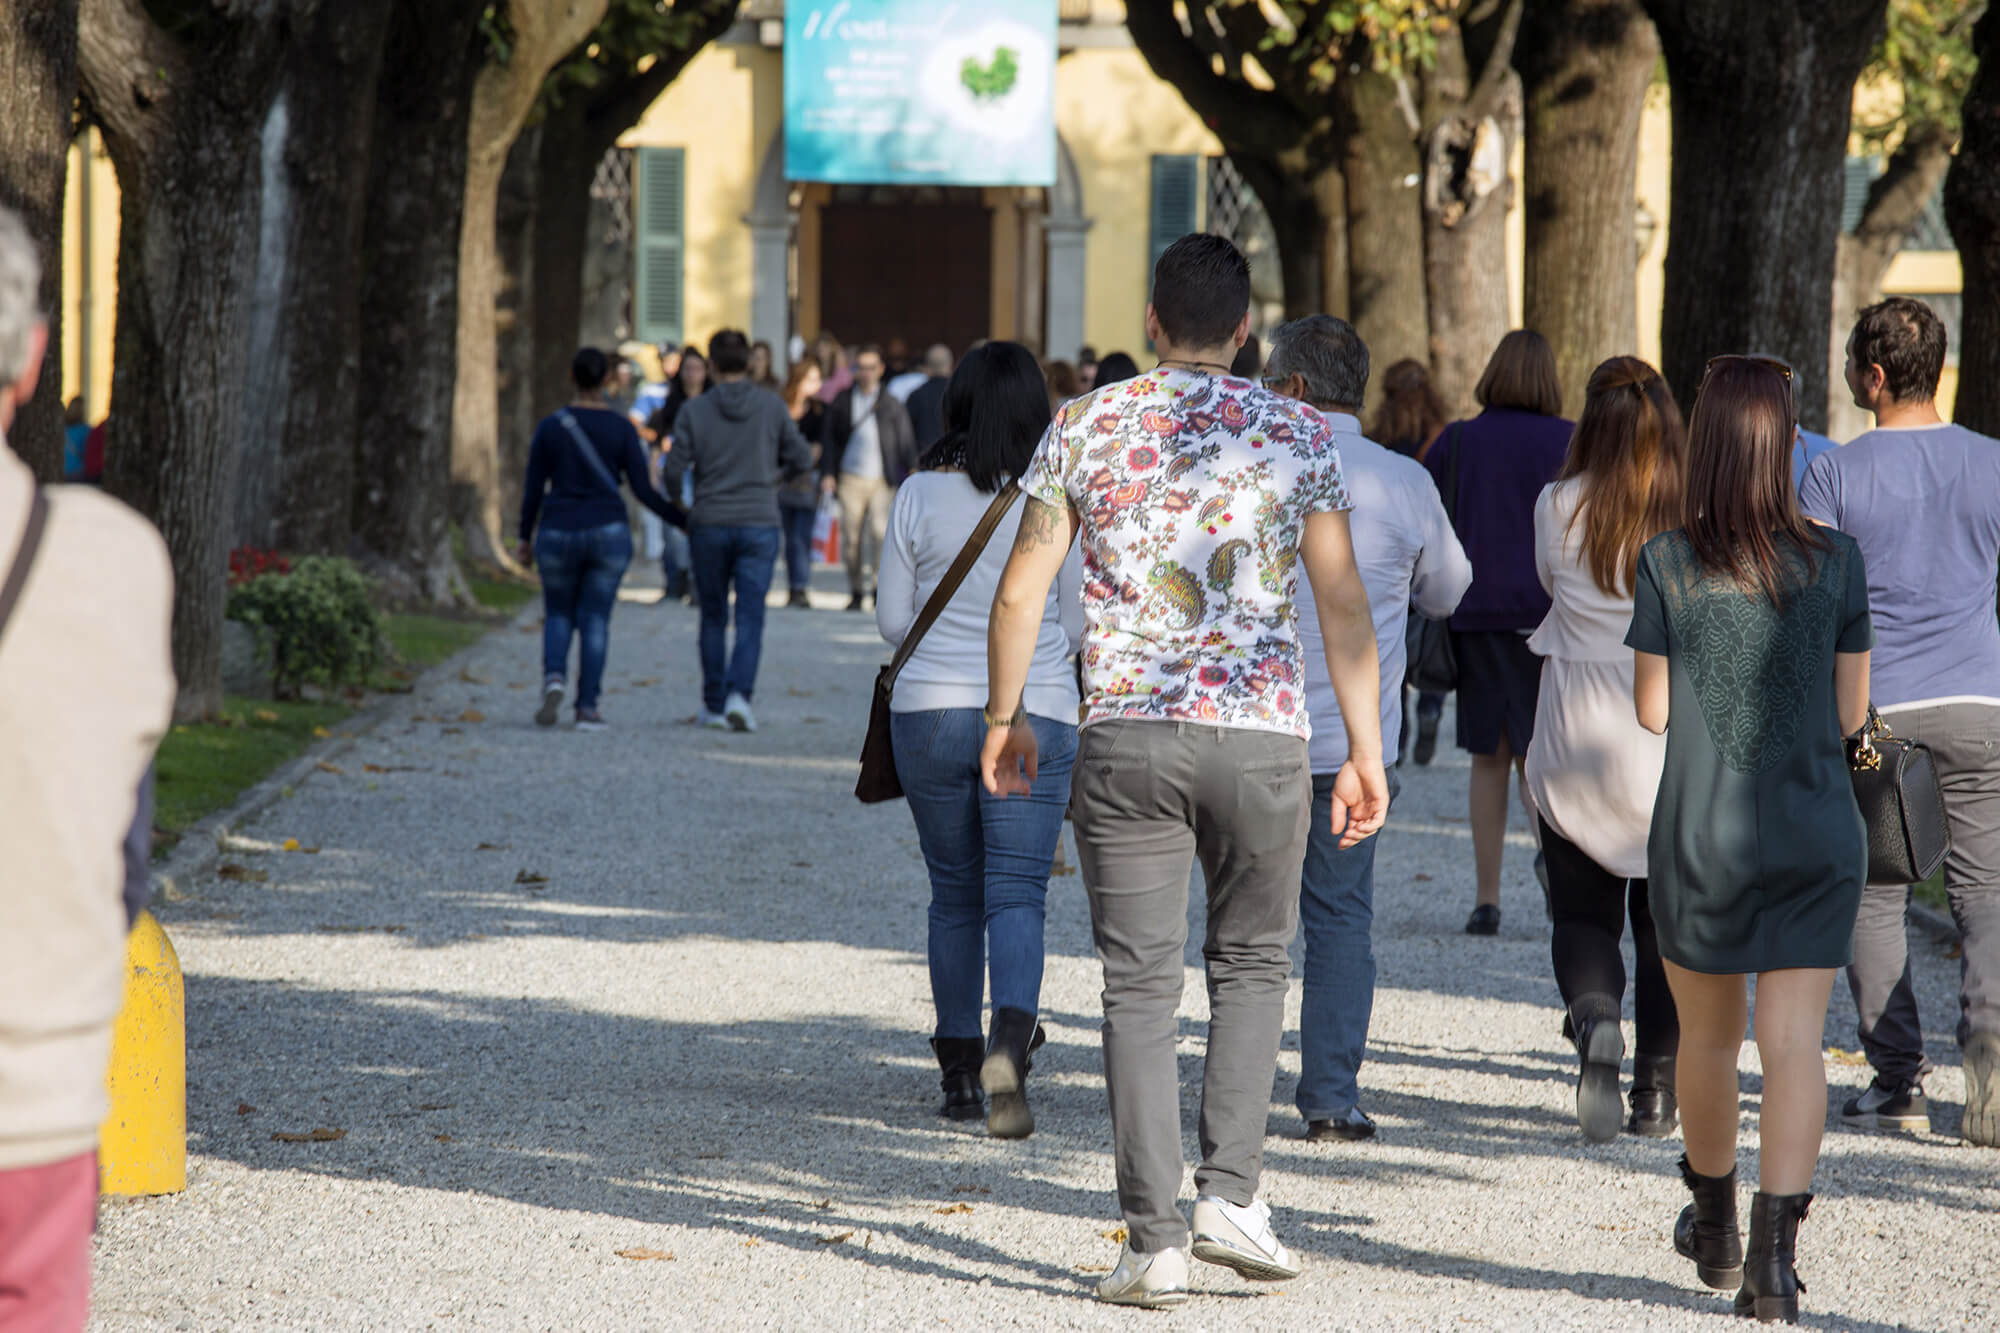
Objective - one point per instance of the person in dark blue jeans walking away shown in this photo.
(584, 542)
(737, 442)
(989, 858)
(1408, 556)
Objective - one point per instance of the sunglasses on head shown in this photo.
(1768, 362)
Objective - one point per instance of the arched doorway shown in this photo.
(923, 263)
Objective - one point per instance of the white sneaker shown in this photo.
(553, 690)
(1152, 1281)
(1240, 1238)
(713, 721)
(738, 715)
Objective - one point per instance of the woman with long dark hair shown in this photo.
(1114, 368)
(690, 380)
(1592, 770)
(573, 525)
(1504, 457)
(1751, 635)
(989, 857)
(798, 499)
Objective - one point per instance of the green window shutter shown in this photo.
(1176, 204)
(660, 249)
(1860, 174)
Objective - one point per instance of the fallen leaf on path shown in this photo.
(835, 1239)
(452, 731)
(265, 715)
(1116, 1233)
(321, 732)
(230, 870)
(472, 715)
(951, 1208)
(642, 1254)
(707, 1156)
(331, 768)
(436, 1106)
(797, 693)
(646, 684)
(1093, 1268)
(1954, 950)
(362, 930)
(493, 847)
(530, 877)
(244, 1108)
(291, 844)
(442, 1138)
(970, 1189)
(320, 1135)
(752, 1243)
(1841, 1057)
(1423, 879)
(471, 677)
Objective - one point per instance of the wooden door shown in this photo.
(919, 271)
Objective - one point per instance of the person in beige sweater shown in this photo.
(86, 692)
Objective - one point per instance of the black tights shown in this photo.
(1589, 905)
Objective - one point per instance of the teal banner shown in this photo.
(920, 92)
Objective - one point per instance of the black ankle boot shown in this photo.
(1706, 1231)
(1771, 1285)
(1600, 1047)
(1016, 1036)
(1655, 1111)
(959, 1057)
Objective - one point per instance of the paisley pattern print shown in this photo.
(1192, 492)
(1752, 665)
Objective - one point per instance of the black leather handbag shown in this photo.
(1433, 667)
(1902, 802)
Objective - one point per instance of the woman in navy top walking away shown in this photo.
(584, 542)
(1504, 456)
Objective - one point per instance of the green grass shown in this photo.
(204, 767)
(425, 640)
(501, 593)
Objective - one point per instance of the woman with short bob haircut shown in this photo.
(1491, 471)
(1593, 770)
(1751, 634)
(989, 857)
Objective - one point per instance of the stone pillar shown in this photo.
(1067, 277)
(770, 284)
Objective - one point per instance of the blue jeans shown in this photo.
(1336, 916)
(744, 558)
(989, 860)
(581, 569)
(798, 525)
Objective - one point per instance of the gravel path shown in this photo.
(626, 1031)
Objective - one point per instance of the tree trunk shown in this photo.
(1381, 166)
(1467, 189)
(1896, 204)
(37, 92)
(297, 482)
(1585, 66)
(503, 94)
(1756, 178)
(565, 169)
(1305, 213)
(514, 318)
(1972, 206)
(182, 119)
(409, 305)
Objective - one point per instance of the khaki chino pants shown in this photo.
(864, 512)
(1147, 800)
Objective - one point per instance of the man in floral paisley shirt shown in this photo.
(1200, 499)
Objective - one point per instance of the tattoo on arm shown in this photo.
(1039, 524)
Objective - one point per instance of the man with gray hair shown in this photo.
(1407, 554)
(86, 692)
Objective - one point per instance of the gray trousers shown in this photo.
(1965, 739)
(1146, 799)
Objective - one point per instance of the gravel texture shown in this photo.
(626, 1031)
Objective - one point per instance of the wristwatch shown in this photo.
(1014, 719)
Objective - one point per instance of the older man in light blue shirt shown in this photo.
(1408, 555)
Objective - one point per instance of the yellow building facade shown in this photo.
(721, 237)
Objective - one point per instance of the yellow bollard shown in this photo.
(142, 1148)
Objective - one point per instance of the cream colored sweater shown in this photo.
(86, 692)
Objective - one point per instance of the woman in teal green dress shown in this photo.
(1751, 634)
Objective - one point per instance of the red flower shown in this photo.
(1143, 457)
(1130, 494)
(1214, 675)
(1232, 414)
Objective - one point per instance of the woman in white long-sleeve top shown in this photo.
(1592, 770)
(989, 858)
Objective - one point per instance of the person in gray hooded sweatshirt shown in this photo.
(739, 443)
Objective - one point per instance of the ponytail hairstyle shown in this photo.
(1628, 456)
(996, 410)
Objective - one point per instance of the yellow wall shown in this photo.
(1115, 116)
(1654, 188)
(98, 290)
(723, 110)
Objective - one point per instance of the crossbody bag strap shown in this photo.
(589, 452)
(974, 547)
(24, 557)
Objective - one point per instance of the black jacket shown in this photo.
(892, 423)
(926, 408)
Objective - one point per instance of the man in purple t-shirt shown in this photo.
(1922, 497)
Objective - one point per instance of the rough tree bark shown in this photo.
(1896, 203)
(1756, 183)
(37, 92)
(514, 333)
(182, 115)
(1382, 168)
(1585, 66)
(297, 483)
(1972, 207)
(409, 304)
(543, 31)
(1472, 113)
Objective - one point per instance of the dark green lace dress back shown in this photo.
(1757, 852)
